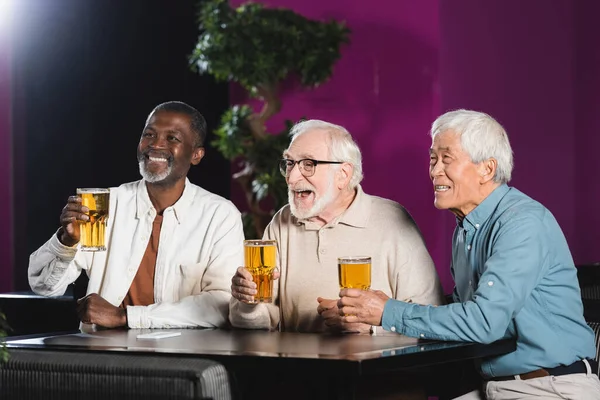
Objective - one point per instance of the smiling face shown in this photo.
(167, 148)
(459, 184)
(315, 195)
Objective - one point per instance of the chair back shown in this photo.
(42, 374)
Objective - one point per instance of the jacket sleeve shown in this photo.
(263, 315)
(510, 274)
(54, 266)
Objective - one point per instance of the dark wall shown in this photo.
(85, 76)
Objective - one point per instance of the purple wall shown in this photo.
(585, 243)
(5, 164)
(533, 65)
(515, 60)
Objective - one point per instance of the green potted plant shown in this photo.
(259, 48)
(3, 329)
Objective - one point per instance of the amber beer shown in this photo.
(259, 257)
(354, 272)
(93, 232)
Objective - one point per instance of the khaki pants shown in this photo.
(571, 387)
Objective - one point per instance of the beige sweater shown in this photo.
(307, 258)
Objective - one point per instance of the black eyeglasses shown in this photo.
(306, 166)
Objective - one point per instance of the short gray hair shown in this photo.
(341, 145)
(481, 137)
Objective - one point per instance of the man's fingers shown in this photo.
(322, 309)
(346, 301)
(240, 281)
(276, 274)
(76, 207)
(70, 218)
(330, 313)
(244, 290)
(242, 286)
(350, 319)
(72, 213)
(244, 273)
(245, 295)
(245, 298)
(342, 310)
(350, 292)
(243, 278)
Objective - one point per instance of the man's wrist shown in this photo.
(65, 239)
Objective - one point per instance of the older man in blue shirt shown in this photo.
(513, 271)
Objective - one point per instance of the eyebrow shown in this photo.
(286, 154)
(170, 131)
(440, 149)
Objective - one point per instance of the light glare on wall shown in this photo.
(5, 13)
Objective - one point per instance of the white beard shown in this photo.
(320, 204)
(152, 177)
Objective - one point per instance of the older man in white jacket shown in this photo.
(172, 246)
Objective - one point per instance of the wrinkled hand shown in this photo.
(93, 309)
(242, 286)
(73, 212)
(328, 310)
(365, 306)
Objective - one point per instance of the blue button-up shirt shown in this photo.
(514, 278)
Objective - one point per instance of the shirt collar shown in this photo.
(356, 215)
(484, 210)
(144, 205)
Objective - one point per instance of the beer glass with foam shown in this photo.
(259, 257)
(93, 231)
(354, 272)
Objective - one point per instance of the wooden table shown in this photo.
(343, 359)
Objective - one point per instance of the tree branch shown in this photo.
(259, 216)
(272, 105)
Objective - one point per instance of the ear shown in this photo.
(487, 170)
(344, 175)
(197, 155)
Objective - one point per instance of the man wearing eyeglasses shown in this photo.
(330, 216)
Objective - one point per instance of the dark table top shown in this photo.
(349, 354)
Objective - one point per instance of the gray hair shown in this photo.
(481, 137)
(341, 145)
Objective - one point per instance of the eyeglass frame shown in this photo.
(316, 162)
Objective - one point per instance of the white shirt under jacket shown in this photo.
(200, 247)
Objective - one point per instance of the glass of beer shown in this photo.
(259, 257)
(93, 231)
(354, 272)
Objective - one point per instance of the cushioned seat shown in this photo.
(31, 374)
(589, 281)
(596, 327)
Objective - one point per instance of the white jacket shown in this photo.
(200, 248)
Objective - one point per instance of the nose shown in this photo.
(159, 141)
(294, 175)
(435, 169)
